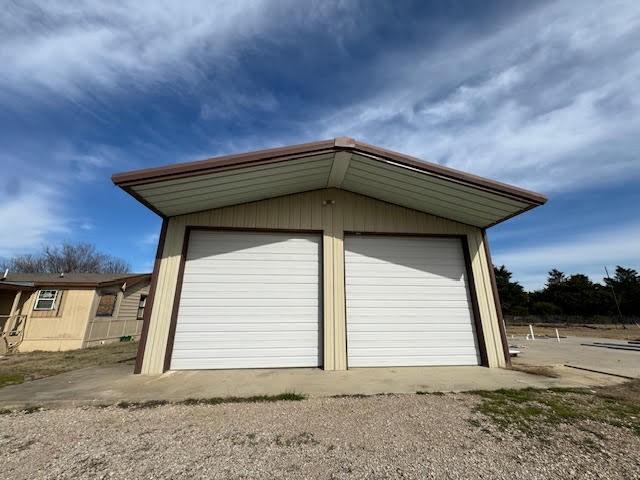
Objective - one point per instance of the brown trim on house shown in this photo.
(150, 298)
(52, 285)
(227, 162)
(183, 257)
(14, 287)
(482, 347)
(496, 299)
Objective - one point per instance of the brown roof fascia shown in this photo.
(15, 287)
(434, 168)
(273, 155)
(218, 163)
(131, 280)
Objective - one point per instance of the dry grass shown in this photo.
(542, 370)
(21, 367)
(628, 392)
(539, 412)
(632, 332)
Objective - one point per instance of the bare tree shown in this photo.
(67, 258)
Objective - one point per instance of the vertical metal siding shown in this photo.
(314, 211)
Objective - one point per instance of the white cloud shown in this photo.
(30, 218)
(587, 253)
(71, 49)
(32, 212)
(548, 101)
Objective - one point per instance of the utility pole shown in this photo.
(615, 298)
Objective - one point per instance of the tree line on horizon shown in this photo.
(572, 295)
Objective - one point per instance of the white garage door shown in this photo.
(249, 300)
(407, 302)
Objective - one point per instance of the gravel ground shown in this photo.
(404, 436)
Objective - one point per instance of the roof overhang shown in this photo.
(129, 280)
(340, 163)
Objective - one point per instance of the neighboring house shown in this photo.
(336, 254)
(75, 310)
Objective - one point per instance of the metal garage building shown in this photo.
(333, 254)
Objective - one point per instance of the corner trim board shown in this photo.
(150, 298)
(496, 299)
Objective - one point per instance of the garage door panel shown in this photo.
(450, 302)
(248, 313)
(242, 362)
(278, 333)
(398, 291)
(407, 302)
(399, 281)
(257, 268)
(249, 288)
(416, 336)
(385, 316)
(421, 360)
(265, 303)
(249, 300)
(203, 328)
(261, 279)
(240, 352)
(407, 326)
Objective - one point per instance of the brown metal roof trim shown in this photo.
(450, 173)
(38, 280)
(215, 164)
(227, 162)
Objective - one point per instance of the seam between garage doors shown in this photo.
(475, 309)
(183, 258)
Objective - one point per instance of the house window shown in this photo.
(107, 304)
(46, 300)
(141, 305)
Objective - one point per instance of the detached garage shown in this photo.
(334, 254)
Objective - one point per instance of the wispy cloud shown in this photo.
(83, 50)
(548, 101)
(29, 218)
(588, 253)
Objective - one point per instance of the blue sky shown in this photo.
(543, 95)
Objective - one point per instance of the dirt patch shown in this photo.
(616, 332)
(19, 367)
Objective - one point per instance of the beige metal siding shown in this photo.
(333, 212)
(65, 330)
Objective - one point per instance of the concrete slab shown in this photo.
(570, 351)
(112, 384)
